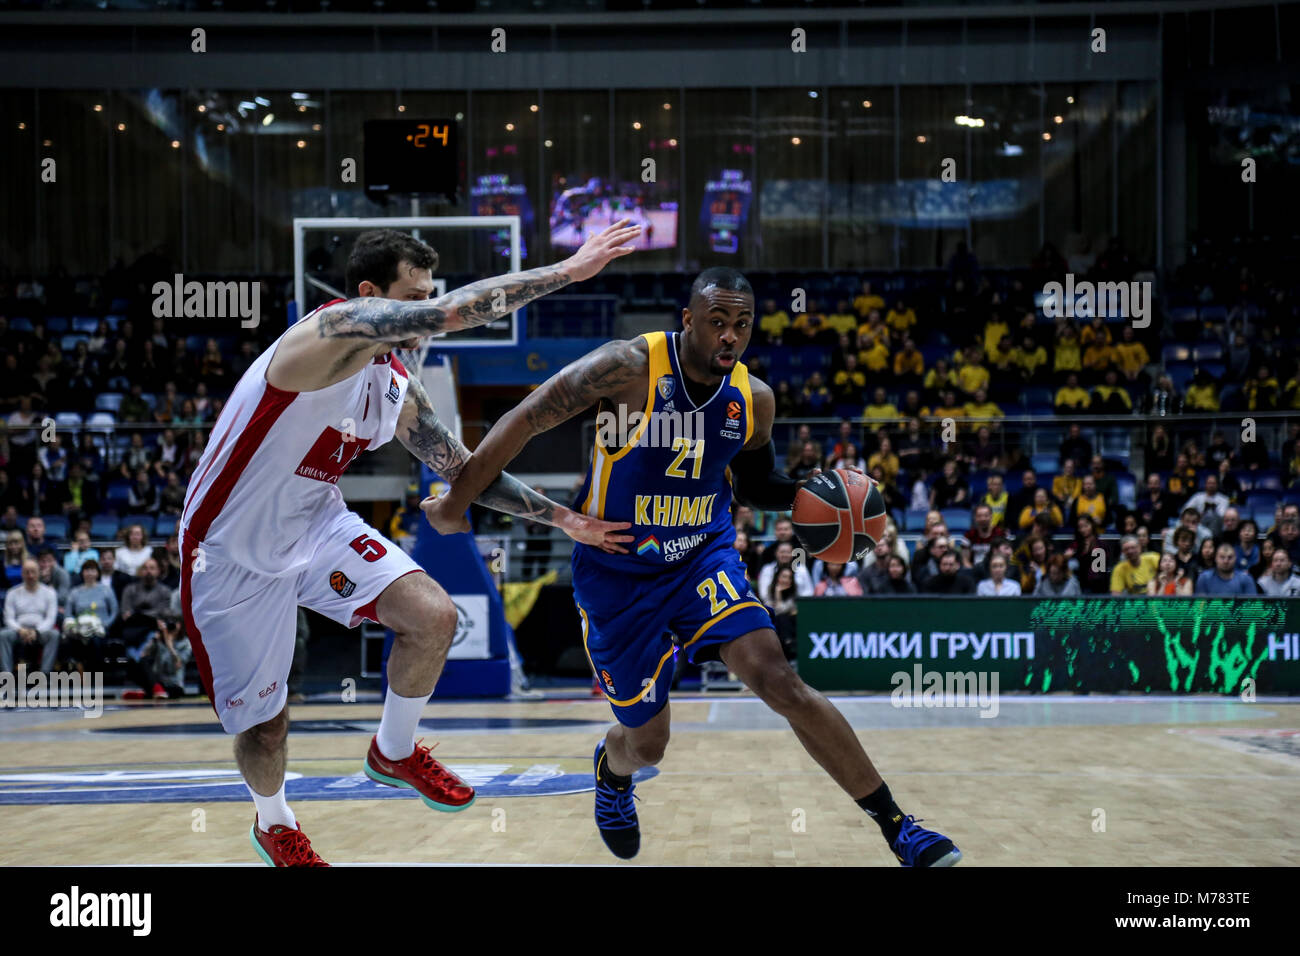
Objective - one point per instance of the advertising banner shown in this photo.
(1152, 645)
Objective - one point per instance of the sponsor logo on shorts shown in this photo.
(267, 691)
(678, 547)
(234, 702)
(393, 391)
(609, 681)
(342, 584)
(666, 384)
(649, 544)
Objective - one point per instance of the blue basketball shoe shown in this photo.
(917, 846)
(615, 812)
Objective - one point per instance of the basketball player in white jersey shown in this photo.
(265, 528)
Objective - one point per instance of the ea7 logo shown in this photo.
(267, 691)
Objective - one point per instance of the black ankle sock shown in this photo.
(608, 776)
(881, 807)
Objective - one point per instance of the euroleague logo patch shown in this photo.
(609, 681)
(393, 390)
(342, 584)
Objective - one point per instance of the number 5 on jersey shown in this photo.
(708, 589)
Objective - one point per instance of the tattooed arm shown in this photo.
(604, 373)
(427, 438)
(393, 320)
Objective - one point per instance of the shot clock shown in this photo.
(416, 156)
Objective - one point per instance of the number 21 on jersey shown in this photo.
(686, 447)
(709, 589)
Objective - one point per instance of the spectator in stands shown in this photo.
(30, 616)
(816, 397)
(79, 494)
(834, 581)
(845, 438)
(1034, 555)
(144, 601)
(997, 584)
(52, 575)
(896, 580)
(1184, 551)
(213, 369)
(983, 533)
(925, 562)
(749, 554)
(1110, 397)
(981, 407)
(1163, 400)
(783, 602)
(873, 350)
(1190, 519)
(1205, 555)
(809, 461)
(189, 416)
(848, 382)
(950, 578)
(16, 555)
(134, 552)
(939, 379)
(951, 489)
(97, 344)
(1132, 574)
(1202, 393)
(1287, 538)
(1057, 582)
(1247, 545)
(783, 531)
(772, 326)
(909, 365)
(79, 554)
(1042, 505)
(850, 459)
(91, 611)
(885, 459)
(1098, 355)
(136, 458)
(167, 455)
(996, 497)
(784, 560)
(787, 403)
(89, 457)
(1261, 391)
(874, 566)
(1230, 526)
(982, 454)
(973, 375)
(39, 495)
(1224, 580)
(134, 409)
(35, 534)
(1280, 581)
(143, 496)
(1106, 483)
(54, 457)
(9, 520)
(949, 407)
(171, 499)
(1182, 479)
(1266, 551)
(111, 575)
(842, 320)
(1091, 502)
(866, 301)
(1067, 485)
(1070, 398)
(1067, 355)
(169, 569)
(1218, 450)
(1159, 451)
(979, 570)
(1229, 486)
(1075, 447)
(1131, 357)
(1029, 360)
(1210, 504)
(117, 370)
(880, 408)
(1170, 579)
(901, 318)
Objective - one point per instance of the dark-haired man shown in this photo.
(702, 423)
(264, 528)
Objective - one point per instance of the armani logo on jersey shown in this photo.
(330, 456)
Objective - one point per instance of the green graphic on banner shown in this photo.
(1165, 645)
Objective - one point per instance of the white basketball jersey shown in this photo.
(270, 471)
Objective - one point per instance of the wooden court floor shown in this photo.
(1052, 781)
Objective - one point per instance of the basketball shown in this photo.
(839, 515)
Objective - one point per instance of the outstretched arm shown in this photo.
(598, 374)
(395, 320)
(428, 439)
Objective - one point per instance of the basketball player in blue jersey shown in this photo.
(680, 421)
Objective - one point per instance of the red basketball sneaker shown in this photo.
(284, 847)
(437, 786)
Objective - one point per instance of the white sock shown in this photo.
(273, 810)
(397, 726)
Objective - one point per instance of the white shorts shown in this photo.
(243, 624)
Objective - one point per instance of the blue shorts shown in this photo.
(633, 626)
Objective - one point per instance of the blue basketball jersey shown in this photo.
(670, 478)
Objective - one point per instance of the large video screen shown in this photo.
(580, 208)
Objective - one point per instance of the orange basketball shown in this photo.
(839, 515)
